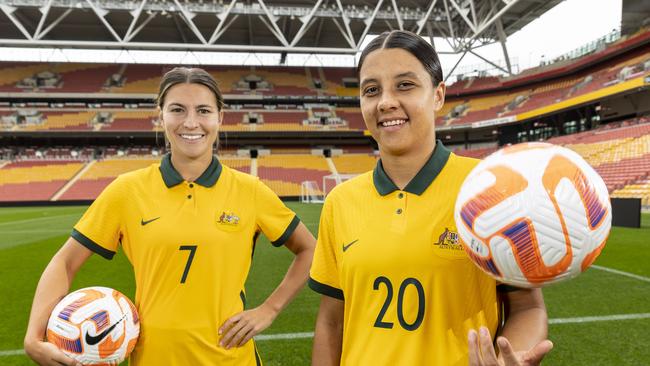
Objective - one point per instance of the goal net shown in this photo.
(310, 193)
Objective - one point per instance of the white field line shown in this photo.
(272, 337)
(281, 336)
(36, 231)
(45, 218)
(13, 352)
(626, 274)
(592, 319)
(577, 320)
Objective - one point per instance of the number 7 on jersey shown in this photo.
(190, 258)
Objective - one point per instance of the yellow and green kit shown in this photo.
(394, 257)
(191, 246)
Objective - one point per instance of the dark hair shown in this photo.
(410, 42)
(180, 75)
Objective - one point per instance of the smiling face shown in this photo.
(191, 120)
(399, 101)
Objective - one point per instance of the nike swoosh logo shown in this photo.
(143, 223)
(93, 340)
(345, 247)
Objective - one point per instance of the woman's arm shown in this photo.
(52, 287)
(240, 328)
(328, 337)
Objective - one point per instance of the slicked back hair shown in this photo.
(411, 43)
(182, 75)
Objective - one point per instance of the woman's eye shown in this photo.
(405, 85)
(370, 90)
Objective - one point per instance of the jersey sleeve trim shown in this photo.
(242, 296)
(287, 233)
(94, 247)
(324, 289)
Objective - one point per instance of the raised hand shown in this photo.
(482, 352)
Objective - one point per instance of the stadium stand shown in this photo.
(640, 189)
(286, 80)
(618, 150)
(35, 180)
(101, 173)
(84, 78)
(139, 120)
(140, 79)
(340, 81)
(620, 155)
(353, 117)
(284, 173)
(73, 121)
(478, 153)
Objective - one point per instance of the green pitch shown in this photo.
(582, 311)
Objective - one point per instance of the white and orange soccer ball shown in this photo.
(95, 326)
(533, 214)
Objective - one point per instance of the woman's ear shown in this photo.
(439, 96)
(160, 117)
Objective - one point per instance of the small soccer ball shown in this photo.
(533, 214)
(95, 326)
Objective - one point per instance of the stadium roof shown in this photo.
(286, 26)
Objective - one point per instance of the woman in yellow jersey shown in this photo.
(188, 226)
(398, 289)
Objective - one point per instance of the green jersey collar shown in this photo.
(422, 179)
(172, 177)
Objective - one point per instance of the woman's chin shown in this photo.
(192, 152)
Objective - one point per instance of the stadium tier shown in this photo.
(35, 180)
(507, 97)
(620, 155)
(640, 189)
(130, 121)
(618, 151)
(286, 80)
(477, 153)
(344, 119)
(98, 174)
(284, 174)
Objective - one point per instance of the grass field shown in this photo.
(584, 326)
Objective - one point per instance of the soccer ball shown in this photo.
(533, 214)
(95, 326)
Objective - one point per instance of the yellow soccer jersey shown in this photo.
(191, 246)
(411, 293)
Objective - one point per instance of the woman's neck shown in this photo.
(190, 169)
(401, 169)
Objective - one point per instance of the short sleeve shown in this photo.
(100, 228)
(324, 273)
(275, 219)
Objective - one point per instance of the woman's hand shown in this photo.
(482, 352)
(241, 327)
(47, 354)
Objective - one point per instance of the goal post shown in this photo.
(310, 192)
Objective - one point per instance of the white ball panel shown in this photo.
(81, 319)
(496, 217)
(531, 163)
(504, 258)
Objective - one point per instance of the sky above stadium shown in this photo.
(566, 27)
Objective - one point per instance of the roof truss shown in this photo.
(214, 25)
